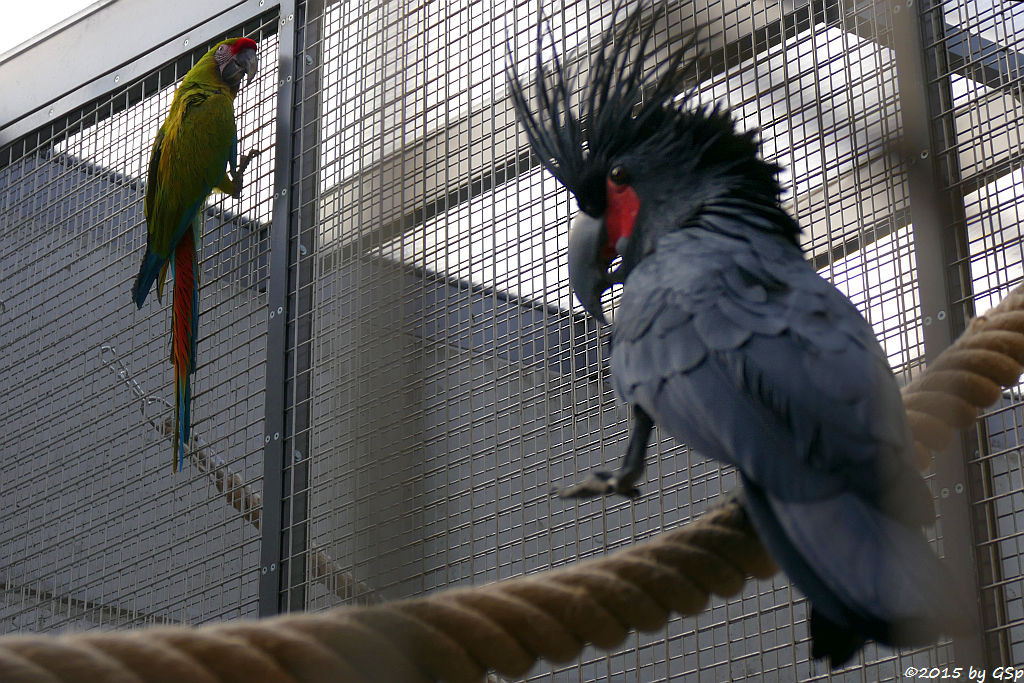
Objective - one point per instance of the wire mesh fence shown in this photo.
(976, 50)
(433, 375)
(98, 532)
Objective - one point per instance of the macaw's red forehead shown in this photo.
(242, 44)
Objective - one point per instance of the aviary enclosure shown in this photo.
(393, 373)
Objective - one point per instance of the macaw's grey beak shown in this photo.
(588, 271)
(249, 63)
(244, 63)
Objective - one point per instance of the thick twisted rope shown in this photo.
(458, 634)
(966, 377)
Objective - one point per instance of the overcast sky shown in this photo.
(22, 20)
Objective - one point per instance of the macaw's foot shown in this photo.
(603, 483)
(243, 164)
(246, 158)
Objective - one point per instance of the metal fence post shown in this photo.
(944, 293)
(277, 313)
(306, 127)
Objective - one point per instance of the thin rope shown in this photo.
(240, 495)
(459, 634)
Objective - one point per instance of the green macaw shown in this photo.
(194, 146)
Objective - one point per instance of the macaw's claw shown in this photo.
(602, 483)
(243, 163)
(246, 158)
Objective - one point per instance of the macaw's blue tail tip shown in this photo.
(180, 439)
(183, 419)
(138, 296)
(148, 272)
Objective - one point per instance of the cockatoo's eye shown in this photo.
(618, 175)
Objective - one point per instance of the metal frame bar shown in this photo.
(921, 94)
(277, 325)
(302, 258)
(42, 108)
(982, 60)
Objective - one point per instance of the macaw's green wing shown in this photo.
(153, 261)
(227, 183)
(188, 162)
(152, 174)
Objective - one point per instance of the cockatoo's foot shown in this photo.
(603, 483)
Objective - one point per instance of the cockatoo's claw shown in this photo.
(601, 483)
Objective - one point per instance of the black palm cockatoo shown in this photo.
(727, 338)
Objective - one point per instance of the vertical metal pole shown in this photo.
(302, 257)
(937, 218)
(274, 422)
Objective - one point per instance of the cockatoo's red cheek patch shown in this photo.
(623, 207)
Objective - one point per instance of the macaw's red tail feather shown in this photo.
(184, 330)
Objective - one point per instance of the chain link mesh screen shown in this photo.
(455, 381)
(439, 377)
(98, 532)
(977, 62)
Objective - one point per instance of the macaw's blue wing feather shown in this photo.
(154, 264)
(148, 271)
